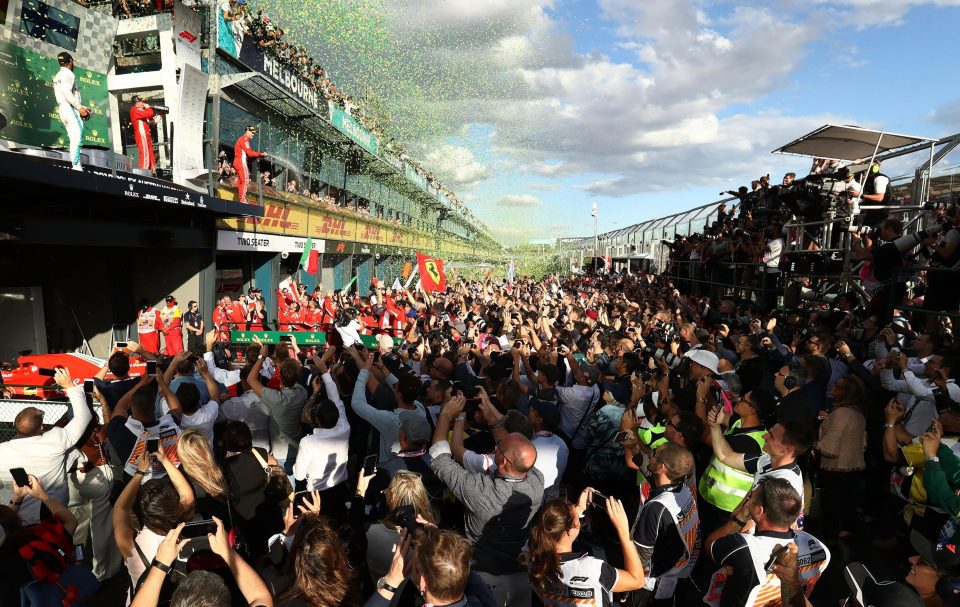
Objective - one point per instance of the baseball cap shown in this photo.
(548, 411)
(415, 427)
(252, 128)
(137, 98)
(64, 58)
(169, 298)
(704, 357)
(871, 593)
(592, 314)
(945, 557)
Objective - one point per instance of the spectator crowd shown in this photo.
(594, 440)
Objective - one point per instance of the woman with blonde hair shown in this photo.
(205, 476)
(556, 571)
(405, 489)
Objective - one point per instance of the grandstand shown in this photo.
(332, 178)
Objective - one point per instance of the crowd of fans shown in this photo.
(275, 41)
(600, 439)
(896, 261)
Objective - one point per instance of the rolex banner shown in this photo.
(431, 273)
(28, 103)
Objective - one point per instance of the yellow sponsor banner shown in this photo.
(333, 226)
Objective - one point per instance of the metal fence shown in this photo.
(53, 411)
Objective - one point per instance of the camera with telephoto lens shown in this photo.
(665, 355)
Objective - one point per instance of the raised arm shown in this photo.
(253, 378)
(180, 483)
(123, 531)
(721, 448)
(76, 427)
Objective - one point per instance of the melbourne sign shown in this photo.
(28, 102)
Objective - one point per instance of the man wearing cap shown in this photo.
(742, 579)
(722, 485)
(866, 590)
(72, 112)
(552, 451)
(241, 152)
(171, 325)
(141, 116)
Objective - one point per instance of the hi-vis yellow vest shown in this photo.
(724, 486)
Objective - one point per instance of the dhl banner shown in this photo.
(289, 219)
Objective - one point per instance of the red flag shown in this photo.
(431, 273)
(313, 263)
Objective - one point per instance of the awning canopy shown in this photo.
(847, 143)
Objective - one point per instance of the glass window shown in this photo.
(44, 22)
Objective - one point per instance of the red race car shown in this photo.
(32, 377)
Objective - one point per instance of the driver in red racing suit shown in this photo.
(141, 115)
(241, 152)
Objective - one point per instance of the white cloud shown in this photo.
(457, 167)
(519, 201)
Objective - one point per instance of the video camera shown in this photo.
(812, 197)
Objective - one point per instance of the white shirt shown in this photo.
(47, 455)
(772, 256)
(575, 402)
(65, 88)
(322, 458)
(552, 454)
(246, 408)
(916, 396)
(202, 419)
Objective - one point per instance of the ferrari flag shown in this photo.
(431, 273)
(310, 259)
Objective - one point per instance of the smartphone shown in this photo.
(376, 356)
(121, 345)
(300, 498)
(198, 529)
(621, 436)
(78, 553)
(151, 367)
(518, 344)
(46, 372)
(773, 557)
(406, 516)
(20, 477)
(598, 500)
(88, 386)
(369, 464)
(285, 338)
(153, 445)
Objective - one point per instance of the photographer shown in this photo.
(887, 256)
(876, 191)
(942, 293)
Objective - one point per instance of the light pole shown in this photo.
(596, 238)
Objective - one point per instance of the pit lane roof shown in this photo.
(848, 143)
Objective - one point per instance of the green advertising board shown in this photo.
(28, 102)
(353, 129)
(304, 338)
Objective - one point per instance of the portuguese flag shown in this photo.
(310, 259)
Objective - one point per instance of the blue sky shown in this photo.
(649, 107)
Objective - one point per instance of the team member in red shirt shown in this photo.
(237, 314)
(171, 318)
(220, 320)
(148, 325)
(290, 318)
(141, 117)
(241, 152)
(312, 316)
